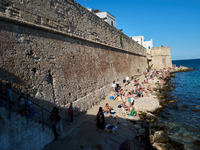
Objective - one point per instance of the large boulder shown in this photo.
(160, 137)
(149, 104)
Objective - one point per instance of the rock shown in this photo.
(196, 106)
(158, 127)
(164, 116)
(176, 145)
(172, 75)
(196, 110)
(174, 106)
(149, 104)
(162, 146)
(152, 120)
(160, 137)
(185, 106)
(150, 116)
(137, 126)
(151, 139)
(161, 97)
(141, 131)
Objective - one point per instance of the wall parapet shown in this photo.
(69, 18)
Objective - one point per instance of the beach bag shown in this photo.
(69, 111)
(112, 97)
(112, 112)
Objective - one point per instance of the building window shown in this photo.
(149, 47)
(111, 23)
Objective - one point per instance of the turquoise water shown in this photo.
(183, 116)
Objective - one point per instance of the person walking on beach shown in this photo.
(100, 119)
(71, 113)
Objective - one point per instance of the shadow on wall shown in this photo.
(9, 77)
(42, 108)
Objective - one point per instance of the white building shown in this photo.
(106, 16)
(147, 44)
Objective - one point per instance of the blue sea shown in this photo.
(183, 116)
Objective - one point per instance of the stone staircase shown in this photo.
(19, 133)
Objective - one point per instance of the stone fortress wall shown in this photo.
(161, 57)
(60, 52)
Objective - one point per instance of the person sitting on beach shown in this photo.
(133, 112)
(107, 108)
(125, 106)
(100, 119)
(148, 88)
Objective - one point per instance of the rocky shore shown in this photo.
(142, 132)
(158, 136)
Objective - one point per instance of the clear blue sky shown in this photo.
(174, 23)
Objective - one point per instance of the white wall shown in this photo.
(147, 44)
(139, 39)
(108, 16)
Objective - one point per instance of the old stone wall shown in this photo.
(161, 57)
(69, 17)
(50, 50)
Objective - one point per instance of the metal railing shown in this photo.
(24, 107)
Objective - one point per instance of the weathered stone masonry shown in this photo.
(60, 52)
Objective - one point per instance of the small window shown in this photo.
(149, 47)
(111, 23)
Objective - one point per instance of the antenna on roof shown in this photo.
(85, 3)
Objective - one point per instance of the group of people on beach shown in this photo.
(140, 88)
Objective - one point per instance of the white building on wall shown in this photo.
(106, 16)
(147, 44)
